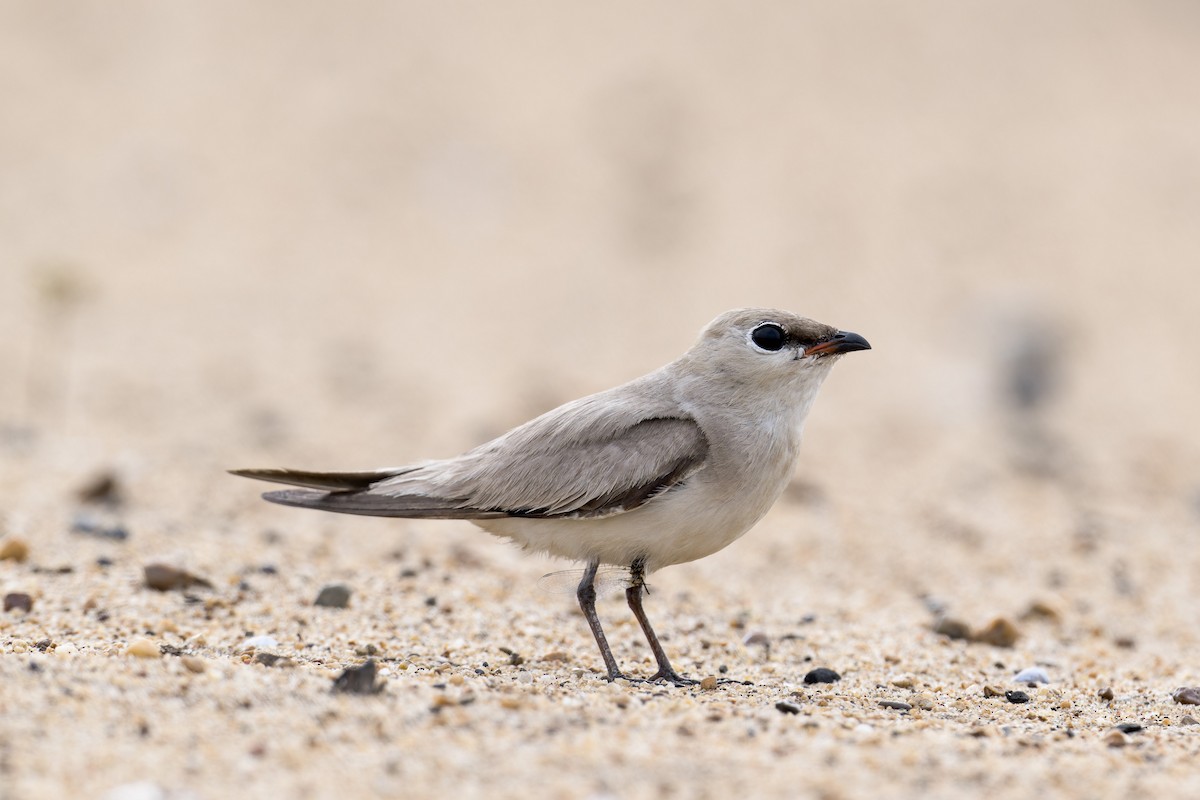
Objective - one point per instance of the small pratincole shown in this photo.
(667, 468)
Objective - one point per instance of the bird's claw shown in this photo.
(672, 677)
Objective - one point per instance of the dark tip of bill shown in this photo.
(848, 342)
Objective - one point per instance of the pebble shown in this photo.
(272, 660)
(1188, 719)
(335, 595)
(143, 648)
(1031, 676)
(258, 643)
(992, 691)
(358, 680)
(1016, 697)
(104, 488)
(1106, 693)
(14, 550)
(785, 707)
(1186, 695)
(903, 682)
(1129, 727)
(822, 675)
(709, 683)
(895, 704)
(1040, 609)
(757, 637)
(164, 578)
(923, 701)
(88, 525)
(193, 664)
(1000, 633)
(952, 628)
(524, 676)
(1116, 738)
(18, 601)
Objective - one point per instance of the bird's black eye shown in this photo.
(768, 336)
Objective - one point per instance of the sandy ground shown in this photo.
(255, 236)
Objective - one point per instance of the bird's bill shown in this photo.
(842, 342)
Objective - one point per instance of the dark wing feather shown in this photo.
(330, 481)
(374, 505)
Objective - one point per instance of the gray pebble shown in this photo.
(358, 680)
(787, 708)
(272, 660)
(335, 595)
(1016, 697)
(896, 704)
(1187, 696)
(88, 525)
(952, 628)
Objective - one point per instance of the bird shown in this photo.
(665, 469)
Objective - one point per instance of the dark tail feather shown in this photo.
(378, 505)
(330, 481)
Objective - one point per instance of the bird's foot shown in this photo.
(672, 677)
(612, 677)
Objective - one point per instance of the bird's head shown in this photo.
(766, 350)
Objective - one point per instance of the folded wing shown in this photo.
(569, 463)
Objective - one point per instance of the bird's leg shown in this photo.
(587, 601)
(637, 574)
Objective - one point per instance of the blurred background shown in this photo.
(262, 234)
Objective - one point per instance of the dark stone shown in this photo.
(952, 628)
(358, 680)
(18, 601)
(335, 595)
(1187, 695)
(104, 488)
(1016, 697)
(164, 578)
(822, 675)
